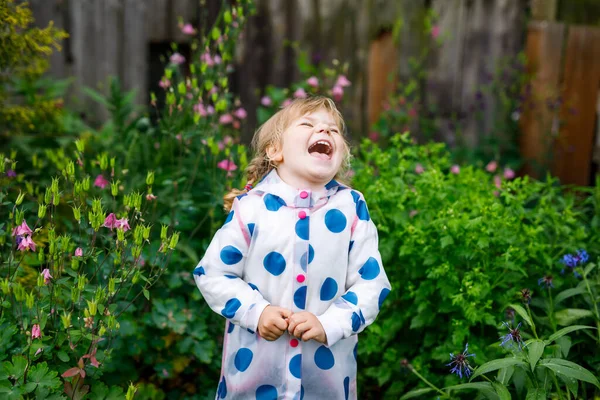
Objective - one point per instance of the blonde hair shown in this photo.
(271, 134)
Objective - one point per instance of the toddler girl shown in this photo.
(295, 269)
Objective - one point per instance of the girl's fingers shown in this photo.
(311, 333)
(301, 328)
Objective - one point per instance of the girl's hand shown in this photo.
(306, 326)
(273, 322)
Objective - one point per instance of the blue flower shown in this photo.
(575, 260)
(583, 256)
(546, 280)
(513, 336)
(460, 363)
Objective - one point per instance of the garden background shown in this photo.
(474, 125)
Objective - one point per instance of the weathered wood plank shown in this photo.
(544, 52)
(188, 11)
(581, 82)
(135, 49)
(158, 21)
(44, 12)
(382, 65)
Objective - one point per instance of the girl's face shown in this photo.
(311, 151)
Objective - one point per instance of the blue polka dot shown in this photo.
(332, 183)
(362, 318)
(384, 293)
(230, 276)
(231, 307)
(335, 220)
(351, 297)
(253, 286)
(243, 358)
(230, 327)
(370, 269)
(266, 392)
(274, 263)
(351, 246)
(329, 289)
(355, 352)
(250, 331)
(241, 196)
(362, 211)
(296, 366)
(355, 196)
(251, 229)
(355, 322)
(199, 271)
(231, 255)
(300, 297)
(301, 392)
(229, 217)
(272, 202)
(302, 228)
(222, 390)
(324, 358)
(311, 255)
(346, 387)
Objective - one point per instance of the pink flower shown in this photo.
(337, 92)
(412, 113)
(178, 137)
(342, 81)
(164, 83)
(46, 275)
(26, 244)
(435, 32)
(227, 165)
(508, 173)
(150, 197)
(22, 229)
(217, 59)
(419, 169)
(227, 140)
(240, 113)
(207, 59)
(412, 213)
(101, 182)
(491, 167)
(313, 81)
(225, 119)
(199, 109)
(286, 103)
(455, 169)
(35, 331)
(300, 94)
(350, 173)
(177, 58)
(498, 181)
(110, 221)
(236, 124)
(188, 29)
(38, 351)
(79, 252)
(210, 110)
(123, 224)
(374, 136)
(266, 101)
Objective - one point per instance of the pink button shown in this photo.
(294, 342)
(303, 194)
(300, 278)
(301, 215)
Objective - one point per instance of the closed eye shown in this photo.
(306, 123)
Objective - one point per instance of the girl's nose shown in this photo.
(323, 129)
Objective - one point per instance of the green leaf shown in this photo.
(570, 369)
(564, 331)
(40, 375)
(415, 393)
(568, 316)
(522, 313)
(571, 384)
(495, 365)
(447, 241)
(16, 368)
(215, 33)
(475, 385)
(536, 394)
(502, 391)
(146, 294)
(505, 374)
(101, 392)
(13, 393)
(62, 356)
(589, 269)
(535, 351)
(565, 294)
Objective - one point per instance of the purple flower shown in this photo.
(575, 260)
(546, 280)
(460, 363)
(525, 295)
(512, 337)
(10, 173)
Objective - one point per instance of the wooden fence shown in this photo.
(560, 129)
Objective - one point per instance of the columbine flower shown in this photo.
(509, 173)
(419, 169)
(227, 165)
(300, 94)
(150, 197)
(110, 221)
(546, 280)
(123, 224)
(101, 182)
(286, 103)
(525, 295)
(460, 363)
(455, 169)
(435, 32)
(498, 181)
(164, 83)
(22, 229)
(225, 119)
(491, 167)
(79, 252)
(89, 322)
(26, 244)
(240, 113)
(512, 337)
(313, 81)
(337, 92)
(374, 136)
(35, 331)
(266, 101)
(199, 109)
(342, 81)
(177, 58)
(46, 275)
(188, 29)
(207, 59)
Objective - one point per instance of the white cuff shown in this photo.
(332, 329)
(251, 317)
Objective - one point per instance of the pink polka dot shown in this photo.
(294, 342)
(302, 215)
(300, 278)
(303, 194)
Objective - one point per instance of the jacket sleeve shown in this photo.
(366, 284)
(219, 273)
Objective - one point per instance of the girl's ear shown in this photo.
(275, 154)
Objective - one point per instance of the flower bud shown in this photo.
(138, 234)
(51, 234)
(19, 292)
(81, 282)
(92, 306)
(20, 215)
(146, 233)
(40, 280)
(41, 255)
(75, 294)
(56, 199)
(64, 242)
(111, 286)
(80, 145)
(77, 188)
(150, 178)
(136, 277)
(163, 232)
(77, 214)
(102, 331)
(48, 196)
(120, 235)
(71, 170)
(75, 263)
(30, 300)
(86, 184)
(66, 320)
(112, 162)
(130, 392)
(114, 188)
(55, 185)
(136, 251)
(20, 198)
(103, 160)
(41, 210)
(127, 200)
(5, 286)
(174, 240)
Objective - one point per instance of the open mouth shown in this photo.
(321, 149)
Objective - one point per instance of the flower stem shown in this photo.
(532, 324)
(587, 284)
(557, 386)
(431, 385)
(551, 313)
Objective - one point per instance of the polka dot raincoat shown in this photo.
(305, 251)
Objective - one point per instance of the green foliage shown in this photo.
(24, 53)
